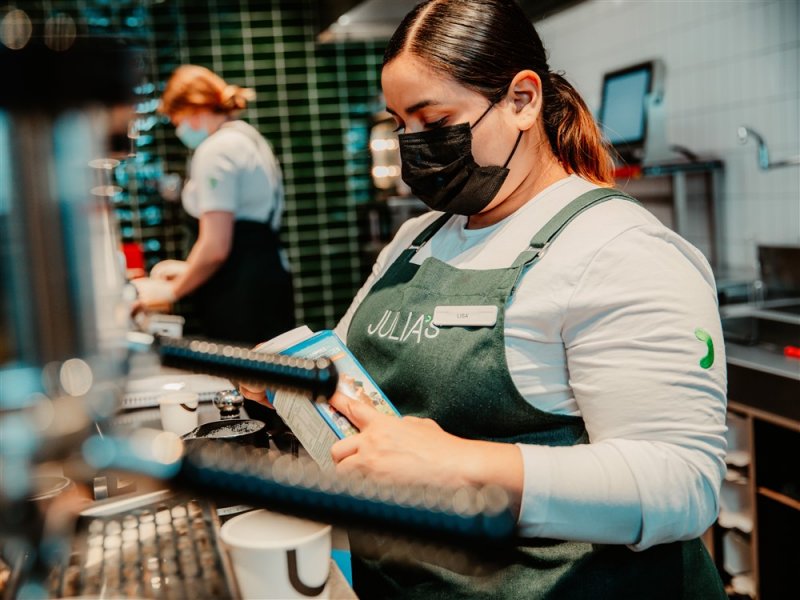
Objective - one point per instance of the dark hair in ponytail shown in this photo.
(483, 44)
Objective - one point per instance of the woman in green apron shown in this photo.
(538, 330)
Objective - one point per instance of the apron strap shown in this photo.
(428, 232)
(423, 237)
(269, 161)
(544, 237)
(551, 230)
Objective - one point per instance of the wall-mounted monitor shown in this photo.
(629, 112)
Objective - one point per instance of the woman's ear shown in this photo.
(525, 96)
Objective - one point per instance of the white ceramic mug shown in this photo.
(278, 556)
(179, 411)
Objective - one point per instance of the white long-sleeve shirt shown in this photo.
(604, 326)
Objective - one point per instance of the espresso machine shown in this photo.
(63, 312)
(67, 339)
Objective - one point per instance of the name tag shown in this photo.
(465, 316)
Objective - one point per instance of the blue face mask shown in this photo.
(190, 136)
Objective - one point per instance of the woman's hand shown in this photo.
(153, 295)
(168, 270)
(401, 450)
(255, 392)
(411, 450)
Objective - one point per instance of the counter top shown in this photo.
(763, 381)
(760, 376)
(754, 357)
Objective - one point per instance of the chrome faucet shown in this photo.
(745, 133)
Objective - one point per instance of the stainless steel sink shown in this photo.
(776, 322)
(756, 336)
(760, 375)
(759, 330)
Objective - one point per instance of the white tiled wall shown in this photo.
(729, 63)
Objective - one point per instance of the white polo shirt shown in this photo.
(604, 326)
(234, 170)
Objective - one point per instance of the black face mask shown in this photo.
(439, 168)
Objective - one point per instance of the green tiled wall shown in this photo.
(313, 104)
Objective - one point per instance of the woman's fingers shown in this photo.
(254, 392)
(137, 307)
(357, 412)
(168, 269)
(344, 448)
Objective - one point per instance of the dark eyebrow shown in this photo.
(415, 107)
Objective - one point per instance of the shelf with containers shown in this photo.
(754, 541)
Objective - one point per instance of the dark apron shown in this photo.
(250, 298)
(459, 377)
(247, 301)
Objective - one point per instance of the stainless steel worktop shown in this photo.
(760, 375)
(753, 357)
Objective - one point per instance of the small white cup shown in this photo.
(279, 556)
(179, 411)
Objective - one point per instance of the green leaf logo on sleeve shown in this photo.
(212, 181)
(704, 336)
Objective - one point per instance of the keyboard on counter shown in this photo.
(157, 545)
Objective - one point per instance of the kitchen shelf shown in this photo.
(781, 498)
(772, 439)
(686, 197)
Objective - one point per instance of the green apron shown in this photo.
(248, 300)
(458, 376)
